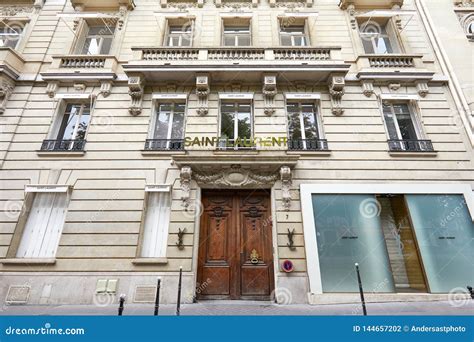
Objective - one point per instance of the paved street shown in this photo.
(250, 308)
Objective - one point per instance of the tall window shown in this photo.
(168, 128)
(402, 127)
(155, 231)
(237, 35)
(293, 36)
(44, 225)
(10, 36)
(179, 35)
(303, 127)
(236, 124)
(376, 39)
(98, 40)
(71, 129)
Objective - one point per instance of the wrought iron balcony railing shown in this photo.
(164, 145)
(63, 145)
(307, 145)
(410, 145)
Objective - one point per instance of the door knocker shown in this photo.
(254, 257)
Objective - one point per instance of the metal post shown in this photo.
(179, 291)
(361, 290)
(471, 292)
(157, 298)
(121, 304)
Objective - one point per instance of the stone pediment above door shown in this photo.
(236, 171)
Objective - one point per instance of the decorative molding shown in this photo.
(463, 3)
(236, 5)
(237, 177)
(395, 4)
(285, 177)
(422, 88)
(105, 88)
(185, 180)
(11, 11)
(269, 91)
(368, 88)
(6, 89)
(52, 88)
(336, 91)
(136, 90)
(394, 87)
(202, 92)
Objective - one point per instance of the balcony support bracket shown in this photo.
(269, 91)
(285, 177)
(52, 88)
(105, 88)
(336, 91)
(202, 92)
(368, 88)
(6, 89)
(136, 90)
(422, 88)
(185, 179)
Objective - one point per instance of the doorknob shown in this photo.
(254, 257)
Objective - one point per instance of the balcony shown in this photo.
(82, 67)
(343, 4)
(11, 63)
(307, 145)
(101, 4)
(227, 63)
(63, 145)
(410, 146)
(164, 145)
(393, 67)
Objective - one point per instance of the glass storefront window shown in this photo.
(348, 231)
(445, 234)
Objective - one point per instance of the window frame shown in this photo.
(5, 25)
(31, 192)
(391, 34)
(304, 34)
(417, 124)
(236, 126)
(317, 115)
(86, 25)
(150, 189)
(56, 127)
(154, 118)
(229, 24)
(168, 34)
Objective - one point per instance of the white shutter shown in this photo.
(44, 226)
(155, 233)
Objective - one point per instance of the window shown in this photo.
(236, 124)
(98, 40)
(180, 35)
(44, 225)
(155, 230)
(303, 127)
(10, 35)
(71, 129)
(376, 39)
(293, 36)
(168, 128)
(237, 35)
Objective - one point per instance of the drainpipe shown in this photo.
(453, 84)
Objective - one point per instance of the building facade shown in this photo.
(263, 147)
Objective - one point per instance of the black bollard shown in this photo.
(121, 303)
(361, 290)
(179, 291)
(157, 298)
(471, 292)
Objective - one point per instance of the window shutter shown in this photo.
(44, 226)
(155, 234)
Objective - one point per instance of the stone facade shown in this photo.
(106, 179)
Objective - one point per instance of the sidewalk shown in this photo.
(249, 308)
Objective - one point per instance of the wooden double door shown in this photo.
(235, 246)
